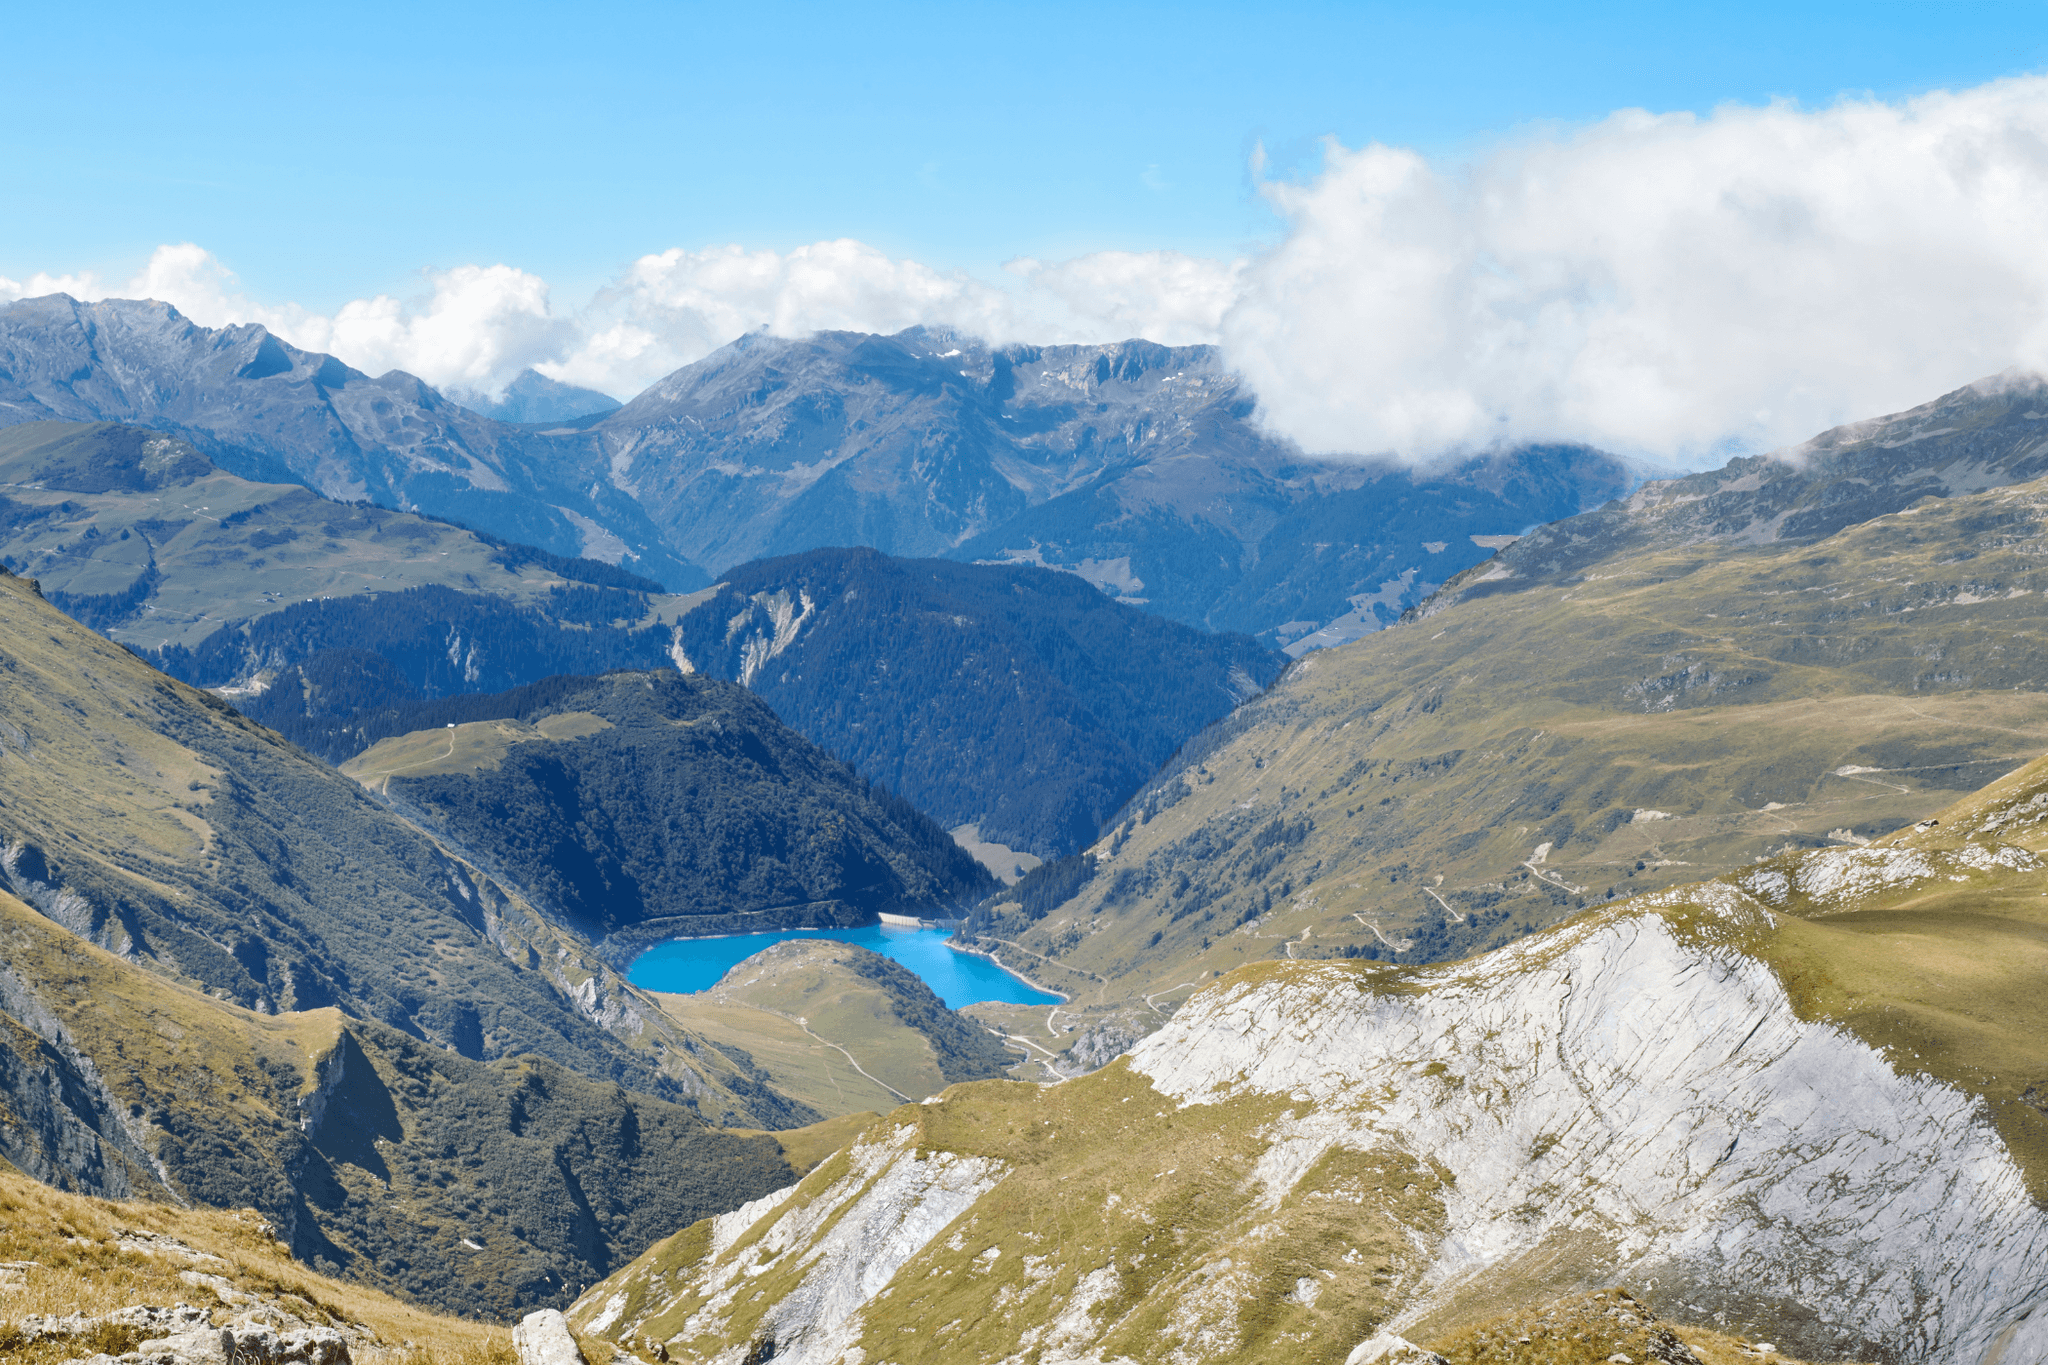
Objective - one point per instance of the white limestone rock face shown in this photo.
(542, 1338)
(1616, 1083)
(1390, 1349)
(848, 1239)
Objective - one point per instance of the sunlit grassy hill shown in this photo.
(842, 1029)
(1453, 783)
(73, 1254)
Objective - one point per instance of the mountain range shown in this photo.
(1139, 467)
(1007, 695)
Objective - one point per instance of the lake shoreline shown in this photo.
(1038, 986)
(681, 970)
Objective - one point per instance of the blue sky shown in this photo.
(329, 152)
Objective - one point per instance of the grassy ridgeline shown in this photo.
(1450, 785)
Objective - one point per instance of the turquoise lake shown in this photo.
(684, 966)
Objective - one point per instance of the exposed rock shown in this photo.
(185, 1335)
(143, 1318)
(248, 1340)
(1389, 1349)
(543, 1338)
(1100, 1045)
(156, 1244)
(219, 1284)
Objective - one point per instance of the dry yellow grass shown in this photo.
(1587, 1329)
(477, 746)
(78, 1266)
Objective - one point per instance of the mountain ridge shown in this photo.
(266, 410)
(1136, 465)
(1989, 434)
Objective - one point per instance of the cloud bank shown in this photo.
(1667, 285)
(1664, 285)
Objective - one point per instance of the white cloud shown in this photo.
(35, 286)
(678, 306)
(475, 328)
(670, 309)
(1665, 285)
(1163, 296)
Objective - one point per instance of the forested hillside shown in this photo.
(643, 806)
(1014, 698)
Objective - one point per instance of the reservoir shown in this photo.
(684, 966)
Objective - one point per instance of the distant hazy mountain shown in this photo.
(142, 538)
(266, 410)
(532, 398)
(1991, 434)
(1011, 698)
(1138, 467)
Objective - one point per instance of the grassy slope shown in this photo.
(1583, 1329)
(213, 567)
(79, 1268)
(1106, 1170)
(552, 1176)
(477, 746)
(156, 822)
(1413, 774)
(1941, 972)
(1946, 977)
(815, 1023)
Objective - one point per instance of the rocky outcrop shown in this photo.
(185, 1335)
(1390, 1349)
(58, 1120)
(543, 1339)
(1624, 1085)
